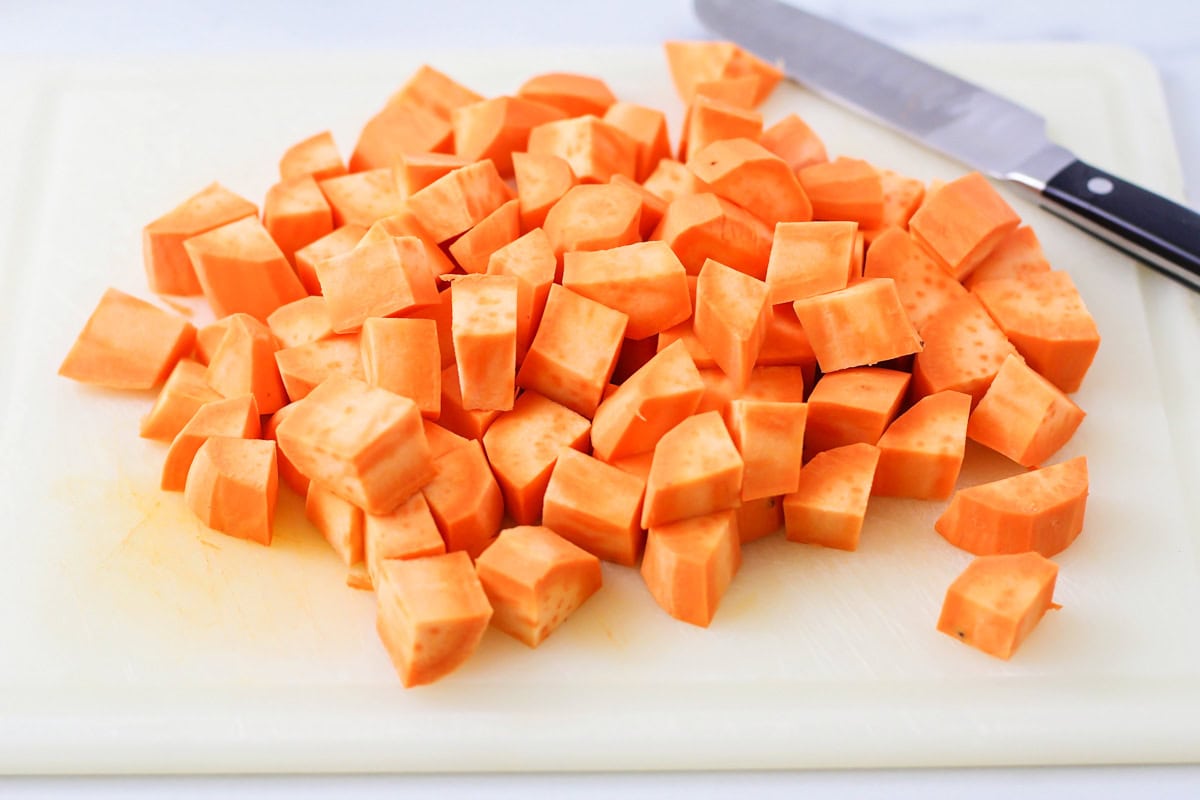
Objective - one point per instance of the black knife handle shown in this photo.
(1146, 225)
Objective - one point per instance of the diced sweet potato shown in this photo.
(998, 600)
(235, 417)
(232, 486)
(168, 268)
(338, 520)
(852, 405)
(830, 504)
(643, 280)
(596, 506)
(690, 563)
(696, 470)
(241, 269)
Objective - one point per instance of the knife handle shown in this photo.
(1146, 225)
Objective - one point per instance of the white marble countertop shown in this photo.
(1167, 31)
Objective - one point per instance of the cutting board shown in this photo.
(134, 640)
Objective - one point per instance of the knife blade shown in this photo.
(966, 122)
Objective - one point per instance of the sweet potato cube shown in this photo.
(434, 91)
(431, 614)
(732, 315)
(408, 532)
(653, 206)
(302, 321)
(693, 63)
(530, 259)
(361, 198)
(415, 171)
(1040, 510)
(757, 519)
(740, 91)
(574, 351)
(594, 149)
(575, 95)
(402, 356)
(690, 563)
(304, 367)
(921, 452)
(342, 240)
(473, 249)
(522, 446)
(902, 196)
(127, 344)
(787, 345)
(853, 405)
(769, 435)
(296, 214)
(830, 503)
(376, 279)
(1044, 317)
(703, 226)
(964, 350)
(338, 520)
(169, 270)
(498, 127)
(396, 129)
(709, 120)
(672, 179)
(405, 223)
(924, 286)
(648, 129)
(232, 486)
(468, 423)
(317, 156)
(485, 340)
(596, 506)
(696, 470)
(809, 258)
(997, 601)
(1017, 254)
(534, 580)
(844, 189)
(179, 399)
(465, 499)
(746, 173)
(862, 324)
(244, 363)
(1024, 416)
(458, 200)
(363, 443)
(594, 217)
(235, 417)
(962, 222)
(643, 280)
(541, 180)
(241, 269)
(797, 144)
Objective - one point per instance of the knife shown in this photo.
(966, 122)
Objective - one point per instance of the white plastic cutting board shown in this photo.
(131, 639)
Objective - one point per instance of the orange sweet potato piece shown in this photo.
(465, 498)
(317, 156)
(844, 189)
(997, 601)
(473, 249)
(241, 269)
(485, 340)
(653, 206)
(703, 226)
(924, 286)
(671, 179)
(757, 519)
(179, 399)
(1044, 317)
(1017, 254)
(1041, 510)
(746, 173)
(594, 217)
(168, 268)
(864, 323)
(434, 91)
(921, 452)
(542, 180)
(853, 405)
(696, 470)
(709, 120)
(574, 351)
(468, 423)
(301, 321)
(287, 470)
(431, 614)
(740, 91)
(643, 280)
(809, 258)
(338, 520)
(692, 63)
(127, 344)
(769, 435)
(786, 343)
(376, 279)
(404, 223)
(402, 356)
(530, 259)
(496, 128)
(296, 214)
(414, 171)
(902, 196)
(782, 384)
(964, 350)
(396, 129)
(656, 398)
(594, 149)
(732, 316)
(363, 443)
(361, 198)
(522, 446)
(408, 532)
(458, 200)
(235, 417)
(596, 506)
(690, 563)
(797, 144)
(1023, 416)
(534, 580)
(305, 366)
(244, 363)
(829, 506)
(575, 95)
(962, 222)
(232, 487)
(342, 240)
(648, 129)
